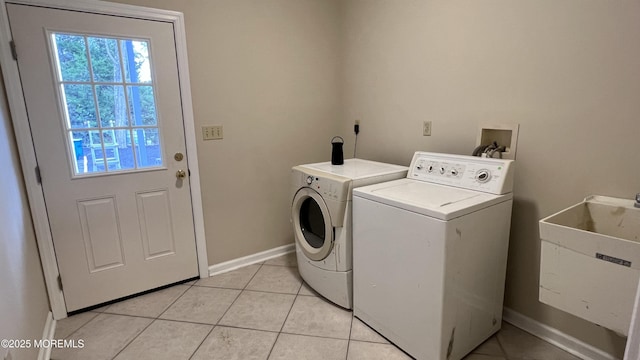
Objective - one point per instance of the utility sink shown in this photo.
(590, 260)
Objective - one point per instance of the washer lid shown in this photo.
(438, 201)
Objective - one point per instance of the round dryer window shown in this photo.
(312, 224)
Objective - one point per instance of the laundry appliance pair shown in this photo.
(420, 255)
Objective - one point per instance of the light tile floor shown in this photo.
(262, 311)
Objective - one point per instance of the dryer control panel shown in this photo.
(330, 186)
(493, 176)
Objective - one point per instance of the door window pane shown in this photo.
(121, 131)
(81, 151)
(148, 150)
(137, 63)
(72, 57)
(112, 105)
(105, 59)
(142, 105)
(81, 110)
(125, 157)
(96, 159)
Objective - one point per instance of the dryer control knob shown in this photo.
(309, 180)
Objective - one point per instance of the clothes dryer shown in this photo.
(321, 217)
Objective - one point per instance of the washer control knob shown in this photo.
(482, 176)
(309, 179)
(442, 170)
(430, 168)
(454, 172)
(419, 167)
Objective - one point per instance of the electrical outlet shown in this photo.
(212, 132)
(426, 128)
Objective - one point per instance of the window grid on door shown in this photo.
(108, 101)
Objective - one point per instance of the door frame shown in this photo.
(26, 150)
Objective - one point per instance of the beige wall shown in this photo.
(268, 71)
(282, 76)
(24, 305)
(567, 71)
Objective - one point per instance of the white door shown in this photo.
(103, 98)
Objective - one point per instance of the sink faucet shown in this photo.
(637, 203)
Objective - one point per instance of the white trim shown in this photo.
(250, 259)
(47, 334)
(22, 132)
(105, 7)
(632, 350)
(555, 337)
(190, 136)
(25, 143)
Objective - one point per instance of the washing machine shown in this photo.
(321, 217)
(430, 254)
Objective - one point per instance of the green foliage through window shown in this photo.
(97, 96)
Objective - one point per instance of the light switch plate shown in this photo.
(213, 132)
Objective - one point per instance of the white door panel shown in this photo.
(121, 220)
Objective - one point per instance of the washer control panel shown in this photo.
(493, 176)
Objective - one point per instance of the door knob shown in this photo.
(181, 174)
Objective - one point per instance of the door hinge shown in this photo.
(38, 175)
(14, 52)
(60, 282)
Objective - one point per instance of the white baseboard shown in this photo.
(556, 337)
(47, 334)
(250, 259)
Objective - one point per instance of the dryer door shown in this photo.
(312, 224)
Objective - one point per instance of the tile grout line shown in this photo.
(280, 332)
(261, 291)
(252, 277)
(254, 329)
(283, 323)
(504, 355)
(504, 352)
(134, 338)
(289, 312)
(273, 346)
(213, 326)
(173, 302)
(230, 306)
(153, 321)
(349, 340)
(320, 336)
(81, 326)
(157, 318)
(202, 342)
